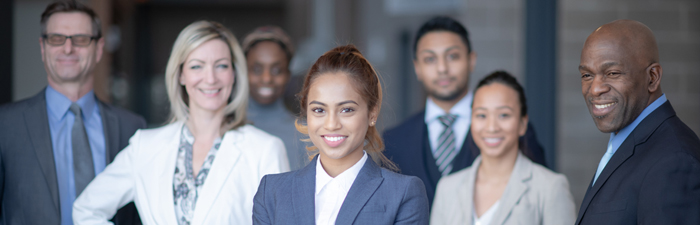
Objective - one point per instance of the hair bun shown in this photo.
(346, 49)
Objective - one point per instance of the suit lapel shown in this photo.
(226, 159)
(465, 195)
(366, 183)
(110, 125)
(303, 196)
(517, 186)
(638, 136)
(431, 168)
(37, 120)
(162, 200)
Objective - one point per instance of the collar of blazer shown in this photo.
(516, 187)
(366, 183)
(639, 135)
(164, 162)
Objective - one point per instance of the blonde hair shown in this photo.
(367, 83)
(187, 41)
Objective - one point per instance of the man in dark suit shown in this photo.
(437, 142)
(650, 173)
(53, 144)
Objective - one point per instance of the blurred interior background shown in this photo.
(539, 41)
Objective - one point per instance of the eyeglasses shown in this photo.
(80, 40)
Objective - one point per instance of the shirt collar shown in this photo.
(345, 179)
(617, 139)
(462, 109)
(58, 103)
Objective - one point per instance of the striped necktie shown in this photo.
(446, 152)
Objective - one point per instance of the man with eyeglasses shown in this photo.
(53, 144)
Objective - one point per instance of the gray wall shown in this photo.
(29, 76)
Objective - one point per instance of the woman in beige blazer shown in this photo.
(502, 186)
(205, 166)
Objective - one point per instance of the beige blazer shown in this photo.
(534, 195)
(143, 173)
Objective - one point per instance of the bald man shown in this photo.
(650, 173)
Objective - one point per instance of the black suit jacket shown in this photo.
(653, 177)
(28, 183)
(408, 146)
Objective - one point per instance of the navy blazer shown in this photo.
(653, 177)
(378, 196)
(408, 146)
(28, 183)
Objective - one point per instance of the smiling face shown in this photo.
(208, 76)
(337, 118)
(496, 122)
(443, 64)
(613, 82)
(268, 72)
(68, 63)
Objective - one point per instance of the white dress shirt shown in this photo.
(485, 218)
(463, 110)
(331, 192)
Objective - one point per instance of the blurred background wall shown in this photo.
(539, 41)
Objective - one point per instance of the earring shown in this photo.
(372, 123)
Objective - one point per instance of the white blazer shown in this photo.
(143, 173)
(534, 195)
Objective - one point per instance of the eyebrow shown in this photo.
(500, 107)
(339, 104)
(604, 66)
(446, 50)
(202, 61)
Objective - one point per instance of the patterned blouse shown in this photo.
(186, 186)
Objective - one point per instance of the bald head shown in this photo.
(630, 36)
(620, 73)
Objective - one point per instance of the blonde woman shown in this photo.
(205, 165)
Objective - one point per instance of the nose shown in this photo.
(598, 86)
(442, 66)
(68, 46)
(332, 122)
(492, 125)
(266, 77)
(210, 76)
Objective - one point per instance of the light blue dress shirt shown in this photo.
(617, 139)
(61, 123)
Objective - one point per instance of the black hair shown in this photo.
(442, 23)
(503, 77)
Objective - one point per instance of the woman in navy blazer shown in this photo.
(344, 183)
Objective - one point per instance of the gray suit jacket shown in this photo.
(534, 195)
(378, 196)
(28, 183)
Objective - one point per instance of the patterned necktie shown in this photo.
(83, 167)
(446, 152)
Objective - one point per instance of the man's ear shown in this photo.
(99, 49)
(654, 72)
(41, 44)
(472, 61)
(416, 68)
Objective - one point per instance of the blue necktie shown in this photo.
(603, 161)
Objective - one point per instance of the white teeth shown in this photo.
(334, 139)
(210, 91)
(604, 106)
(265, 91)
(492, 140)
